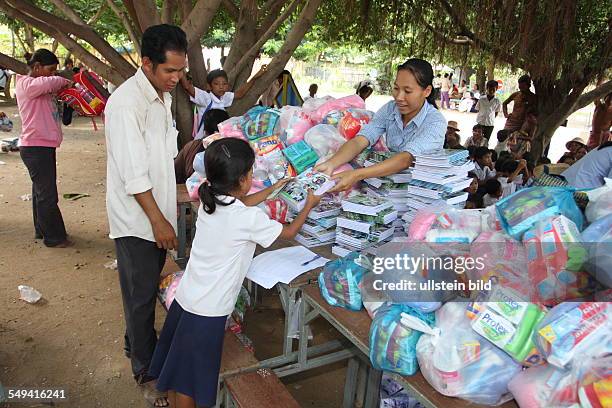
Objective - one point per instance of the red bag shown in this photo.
(351, 123)
(88, 96)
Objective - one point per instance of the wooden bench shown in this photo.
(258, 389)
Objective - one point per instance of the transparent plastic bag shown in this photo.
(533, 387)
(393, 342)
(198, 164)
(193, 184)
(232, 127)
(339, 280)
(523, 209)
(324, 140)
(294, 124)
(570, 329)
(459, 363)
(352, 101)
(600, 202)
(597, 237)
(352, 122)
(442, 223)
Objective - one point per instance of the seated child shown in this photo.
(218, 97)
(187, 358)
(494, 192)
(502, 141)
(474, 200)
(6, 125)
(483, 165)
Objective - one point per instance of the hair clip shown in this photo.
(226, 151)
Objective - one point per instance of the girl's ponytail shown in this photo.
(207, 198)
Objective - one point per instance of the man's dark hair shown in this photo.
(481, 152)
(492, 186)
(492, 83)
(158, 39)
(502, 135)
(524, 79)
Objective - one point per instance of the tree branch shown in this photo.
(83, 32)
(67, 11)
(252, 52)
(199, 20)
(597, 93)
(272, 9)
(13, 64)
(146, 12)
(231, 9)
(197, 68)
(168, 10)
(127, 24)
(98, 14)
(129, 6)
(110, 73)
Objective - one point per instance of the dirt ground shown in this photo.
(73, 338)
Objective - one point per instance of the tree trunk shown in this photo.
(244, 39)
(182, 110)
(302, 24)
(481, 78)
(491, 69)
(29, 38)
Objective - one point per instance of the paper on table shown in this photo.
(282, 265)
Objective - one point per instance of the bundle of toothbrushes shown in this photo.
(393, 340)
(555, 258)
(457, 362)
(570, 329)
(522, 210)
(339, 280)
(508, 321)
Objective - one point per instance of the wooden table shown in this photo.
(355, 326)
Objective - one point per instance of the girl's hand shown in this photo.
(326, 167)
(282, 183)
(344, 181)
(312, 200)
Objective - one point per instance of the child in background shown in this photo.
(474, 200)
(312, 91)
(477, 138)
(6, 125)
(187, 358)
(218, 97)
(488, 106)
(493, 189)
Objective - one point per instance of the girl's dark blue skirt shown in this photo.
(187, 357)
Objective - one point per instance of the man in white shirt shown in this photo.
(437, 85)
(488, 107)
(141, 191)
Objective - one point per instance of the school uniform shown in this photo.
(487, 109)
(205, 101)
(188, 355)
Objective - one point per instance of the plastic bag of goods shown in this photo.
(333, 118)
(533, 387)
(509, 322)
(277, 210)
(600, 202)
(393, 395)
(193, 184)
(339, 280)
(294, 124)
(393, 342)
(198, 164)
(270, 160)
(232, 127)
(209, 139)
(312, 104)
(301, 156)
(352, 101)
(458, 363)
(324, 140)
(442, 223)
(597, 237)
(352, 122)
(503, 260)
(555, 256)
(260, 122)
(522, 210)
(570, 329)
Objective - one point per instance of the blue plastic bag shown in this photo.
(260, 122)
(339, 280)
(392, 344)
(523, 209)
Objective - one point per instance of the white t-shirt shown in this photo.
(486, 110)
(203, 99)
(446, 85)
(221, 254)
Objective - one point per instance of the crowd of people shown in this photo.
(144, 167)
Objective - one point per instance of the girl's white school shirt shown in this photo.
(204, 98)
(221, 254)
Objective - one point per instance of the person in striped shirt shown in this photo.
(411, 124)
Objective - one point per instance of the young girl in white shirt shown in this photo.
(216, 97)
(187, 358)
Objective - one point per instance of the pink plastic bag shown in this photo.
(193, 184)
(232, 128)
(352, 101)
(294, 124)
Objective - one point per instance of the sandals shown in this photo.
(155, 398)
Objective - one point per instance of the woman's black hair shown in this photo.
(214, 74)
(423, 73)
(212, 118)
(226, 161)
(158, 39)
(42, 56)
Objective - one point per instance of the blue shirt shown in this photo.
(424, 133)
(589, 172)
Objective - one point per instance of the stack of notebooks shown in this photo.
(320, 226)
(393, 188)
(296, 191)
(365, 221)
(441, 175)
